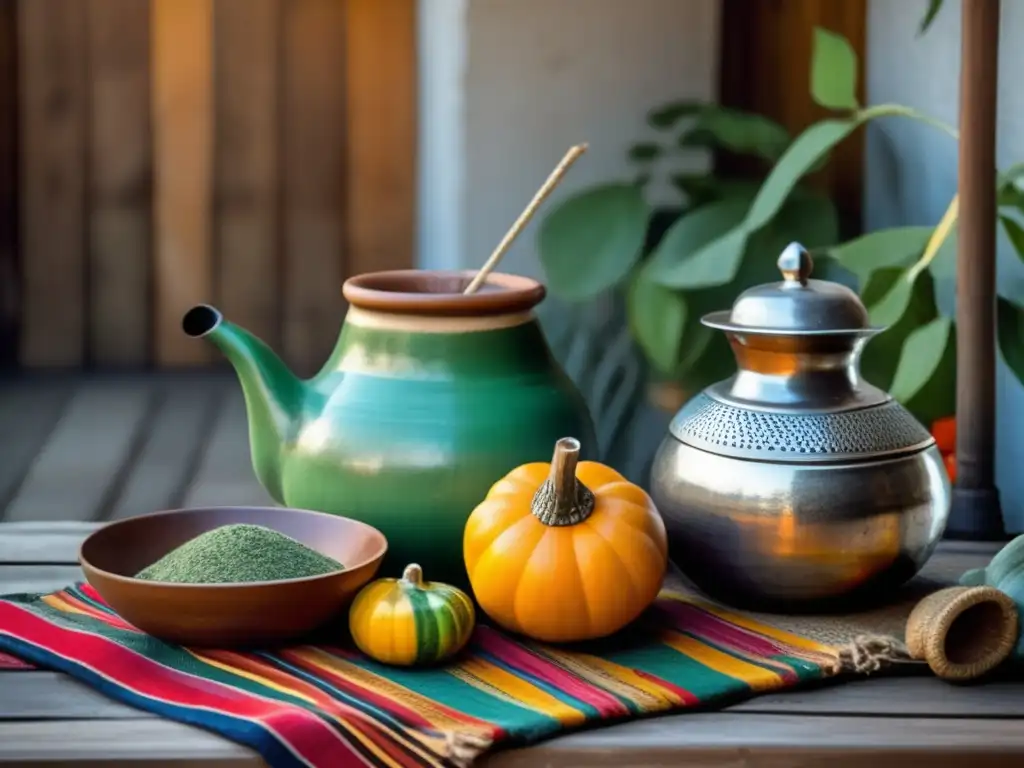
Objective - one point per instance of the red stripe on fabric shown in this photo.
(297, 657)
(13, 662)
(520, 658)
(689, 618)
(687, 698)
(396, 708)
(373, 730)
(309, 736)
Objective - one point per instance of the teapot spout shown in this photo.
(274, 396)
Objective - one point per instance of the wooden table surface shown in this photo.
(75, 452)
(49, 719)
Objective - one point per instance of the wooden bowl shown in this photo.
(228, 615)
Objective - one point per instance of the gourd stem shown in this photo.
(562, 499)
(413, 574)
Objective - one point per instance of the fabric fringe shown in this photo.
(462, 749)
(867, 654)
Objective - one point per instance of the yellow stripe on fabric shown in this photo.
(755, 626)
(478, 671)
(55, 602)
(424, 707)
(758, 678)
(646, 694)
(383, 756)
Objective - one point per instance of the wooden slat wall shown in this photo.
(381, 125)
(248, 153)
(765, 67)
(53, 110)
(313, 144)
(9, 278)
(183, 143)
(246, 167)
(121, 162)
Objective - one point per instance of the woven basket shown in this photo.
(962, 632)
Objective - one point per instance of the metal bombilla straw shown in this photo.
(976, 511)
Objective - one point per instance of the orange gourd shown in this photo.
(565, 551)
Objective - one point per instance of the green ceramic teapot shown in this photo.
(429, 397)
(1005, 572)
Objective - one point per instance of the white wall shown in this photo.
(507, 86)
(912, 168)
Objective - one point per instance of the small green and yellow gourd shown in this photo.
(409, 621)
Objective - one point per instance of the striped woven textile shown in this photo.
(328, 705)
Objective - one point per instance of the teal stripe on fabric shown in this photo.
(679, 669)
(589, 710)
(445, 688)
(807, 671)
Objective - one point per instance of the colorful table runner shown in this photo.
(328, 705)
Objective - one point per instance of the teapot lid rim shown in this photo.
(438, 293)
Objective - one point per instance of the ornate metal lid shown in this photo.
(797, 394)
(798, 306)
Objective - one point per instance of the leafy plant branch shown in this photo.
(727, 234)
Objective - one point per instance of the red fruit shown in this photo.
(950, 461)
(944, 432)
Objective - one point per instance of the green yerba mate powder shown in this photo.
(238, 553)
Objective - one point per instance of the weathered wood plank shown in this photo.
(313, 171)
(120, 163)
(44, 695)
(9, 262)
(154, 743)
(182, 50)
(720, 739)
(29, 410)
(382, 134)
(54, 543)
(246, 178)
(226, 476)
(767, 741)
(15, 579)
(80, 464)
(53, 107)
(173, 447)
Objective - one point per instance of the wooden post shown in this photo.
(976, 512)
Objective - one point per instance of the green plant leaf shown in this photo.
(657, 317)
(671, 262)
(716, 262)
(803, 153)
(808, 217)
(911, 305)
(922, 352)
(739, 132)
(895, 247)
(833, 71)
(935, 397)
(667, 115)
(890, 307)
(1016, 234)
(943, 266)
(591, 241)
(644, 152)
(934, 6)
(1010, 333)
